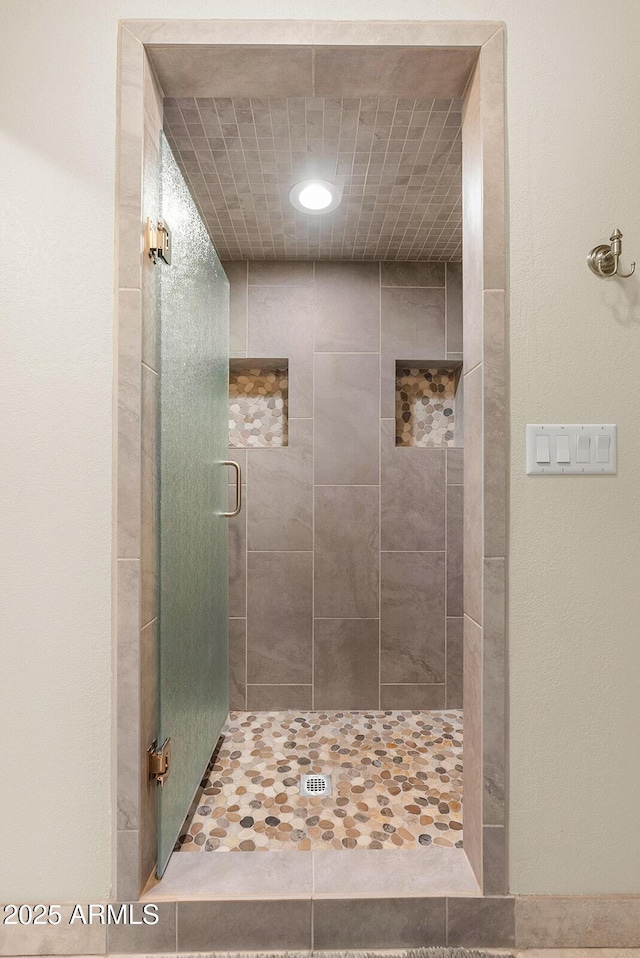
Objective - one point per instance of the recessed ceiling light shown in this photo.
(315, 196)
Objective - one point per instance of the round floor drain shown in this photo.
(315, 785)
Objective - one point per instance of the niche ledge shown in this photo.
(427, 405)
(258, 403)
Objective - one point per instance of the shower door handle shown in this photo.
(236, 511)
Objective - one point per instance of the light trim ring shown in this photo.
(315, 196)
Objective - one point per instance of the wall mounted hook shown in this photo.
(605, 260)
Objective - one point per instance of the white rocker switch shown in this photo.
(543, 450)
(571, 449)
(602, 448)
(584, 449)
(563, 453)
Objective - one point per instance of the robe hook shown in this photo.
(605, 260)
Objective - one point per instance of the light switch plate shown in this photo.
(595, 458)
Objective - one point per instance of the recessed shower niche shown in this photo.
(428, 409)
(258, 403)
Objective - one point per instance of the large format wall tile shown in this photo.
(275, 273)
(412, 633)
(455, 662)
(212, 926)
(280, 510)
(412, 696)
(346, 404)
(346, 551)
(427, 274)
(473, 496)
(237, 276)
(237, 663)
(454, 308)
(346, 663)
(347, 308)
(278, 697)
(473, 744)
(281, 327)
(413, 327)
(378, 923)
(279, 627)
(413, 495)
(578, 922)
(237, 556)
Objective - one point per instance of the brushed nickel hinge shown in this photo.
(159, 761)
(158, 241)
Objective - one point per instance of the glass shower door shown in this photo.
(193, 441)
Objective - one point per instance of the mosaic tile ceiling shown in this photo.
(397, 783)
(397, 160)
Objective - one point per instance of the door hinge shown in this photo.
(158, 241)
(159, 761)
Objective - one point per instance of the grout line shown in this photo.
(150, 368)
(468, 372)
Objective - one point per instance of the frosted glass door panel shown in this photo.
(194, 331)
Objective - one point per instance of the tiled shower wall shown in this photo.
(346, 561)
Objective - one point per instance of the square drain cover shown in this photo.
(315, 785)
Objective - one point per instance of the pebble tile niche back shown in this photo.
(258, 403)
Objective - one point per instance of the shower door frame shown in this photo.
(139, 120)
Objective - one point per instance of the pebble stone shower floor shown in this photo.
(397, 782)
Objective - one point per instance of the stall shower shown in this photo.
(343, 410)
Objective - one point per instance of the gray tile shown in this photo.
(280, 273)
(128, 865)
(129, 405)
(494, 853)
(279, 626)
(472, 694)
(412, 495)
(149, 723)
(61, 939)
(353, 643)
(491, 74)
(413, 328)
(455, 559)
(237, 553)
(346, 551)
(128, 669)
(130, 939)
(481, 922)
(225, 71)
(149, 272)
(244, 925)
(412, 696)
(281, 326)
(412, 274)
(392, 71)
(280, 504)
(347, 309)
(237, 663)
(149, 493)
(473, 496)
(454, 308)
(378, 923)
(495, 424)
(346, 419)
(412, 633)
(579, 922)
(472, 215)
(276, 697)
(237, 276)
(494, 692)
(455, 466)
(455, 662)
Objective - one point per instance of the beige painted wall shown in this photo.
(575, 352)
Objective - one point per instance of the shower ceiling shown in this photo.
(397, 160)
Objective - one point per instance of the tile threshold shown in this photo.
(379, 873)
